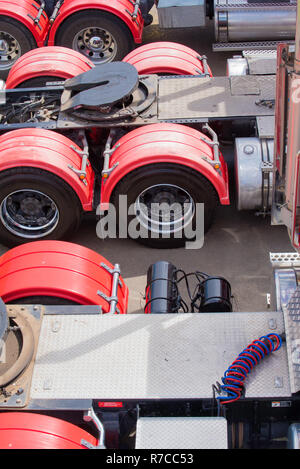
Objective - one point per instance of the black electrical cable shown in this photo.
(196, 296)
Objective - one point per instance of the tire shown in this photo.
(49, 7)
(43, 300)
(46, 64)
(171, 176)
(68, 35)
(35, 187)
(39, 82)
(18, 36)
(166, 58)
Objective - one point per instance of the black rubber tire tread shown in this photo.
(20, 33)
(42, 300)
(200, 189)
(38, 82)
(66, 200)
(78, 21)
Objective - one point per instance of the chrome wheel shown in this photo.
(29, 214)
(10, 50)
(164, 209)
(97, 44)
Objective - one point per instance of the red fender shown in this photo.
(51, 151)
(24, 12)
(23, 430)
(55, 61)
(164, 143)
(119, 8)
(59, 269)
(166, 57)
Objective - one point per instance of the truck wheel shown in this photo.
(99, 36)
(15, 40)
(24, 430)
(43, 300)
(46, 64)
(151, 190)
(34, 205)
(166, 58)
(39, 82)
(60, 273)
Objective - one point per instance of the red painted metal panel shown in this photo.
(58, 269)
(23, 430)
(164, 143)
(48, 150)
(166, 57)
(53, 61)
(116, 7)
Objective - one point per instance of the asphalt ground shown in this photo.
(236, 247)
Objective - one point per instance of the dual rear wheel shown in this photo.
(98, 36)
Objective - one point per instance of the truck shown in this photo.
(187, 372)
(107, 31)
(69, 139)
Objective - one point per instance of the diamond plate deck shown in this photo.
(263, 62)
(266, 126)
(181, 432)
(152, 356)
(196, 98)
(292, 328)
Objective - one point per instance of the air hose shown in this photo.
(234, 377)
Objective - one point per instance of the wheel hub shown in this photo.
(97, 44)
(165, 208)
(31, 206)
(10, 50)
(29, 214)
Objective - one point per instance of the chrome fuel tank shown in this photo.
(238, 21)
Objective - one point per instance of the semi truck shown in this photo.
(69, 140)
(78, 372)
(107, 31)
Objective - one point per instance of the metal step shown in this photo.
(181, 432)
(242, 46)
(285, 259)
(229, 5)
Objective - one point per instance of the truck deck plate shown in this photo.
(292, 325)
(197, 98)
(261, 62)
(181, 432)
(139, 356)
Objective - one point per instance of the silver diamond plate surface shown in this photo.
(244, 46)
(292, 327)
(181, 433)
(202, 98)
(259, 54)
(266, 126)
(285, 259)
(231, 5)
(152, 356)
(262, 65)
(244, 85)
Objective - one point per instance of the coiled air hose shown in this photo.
(235, 376)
